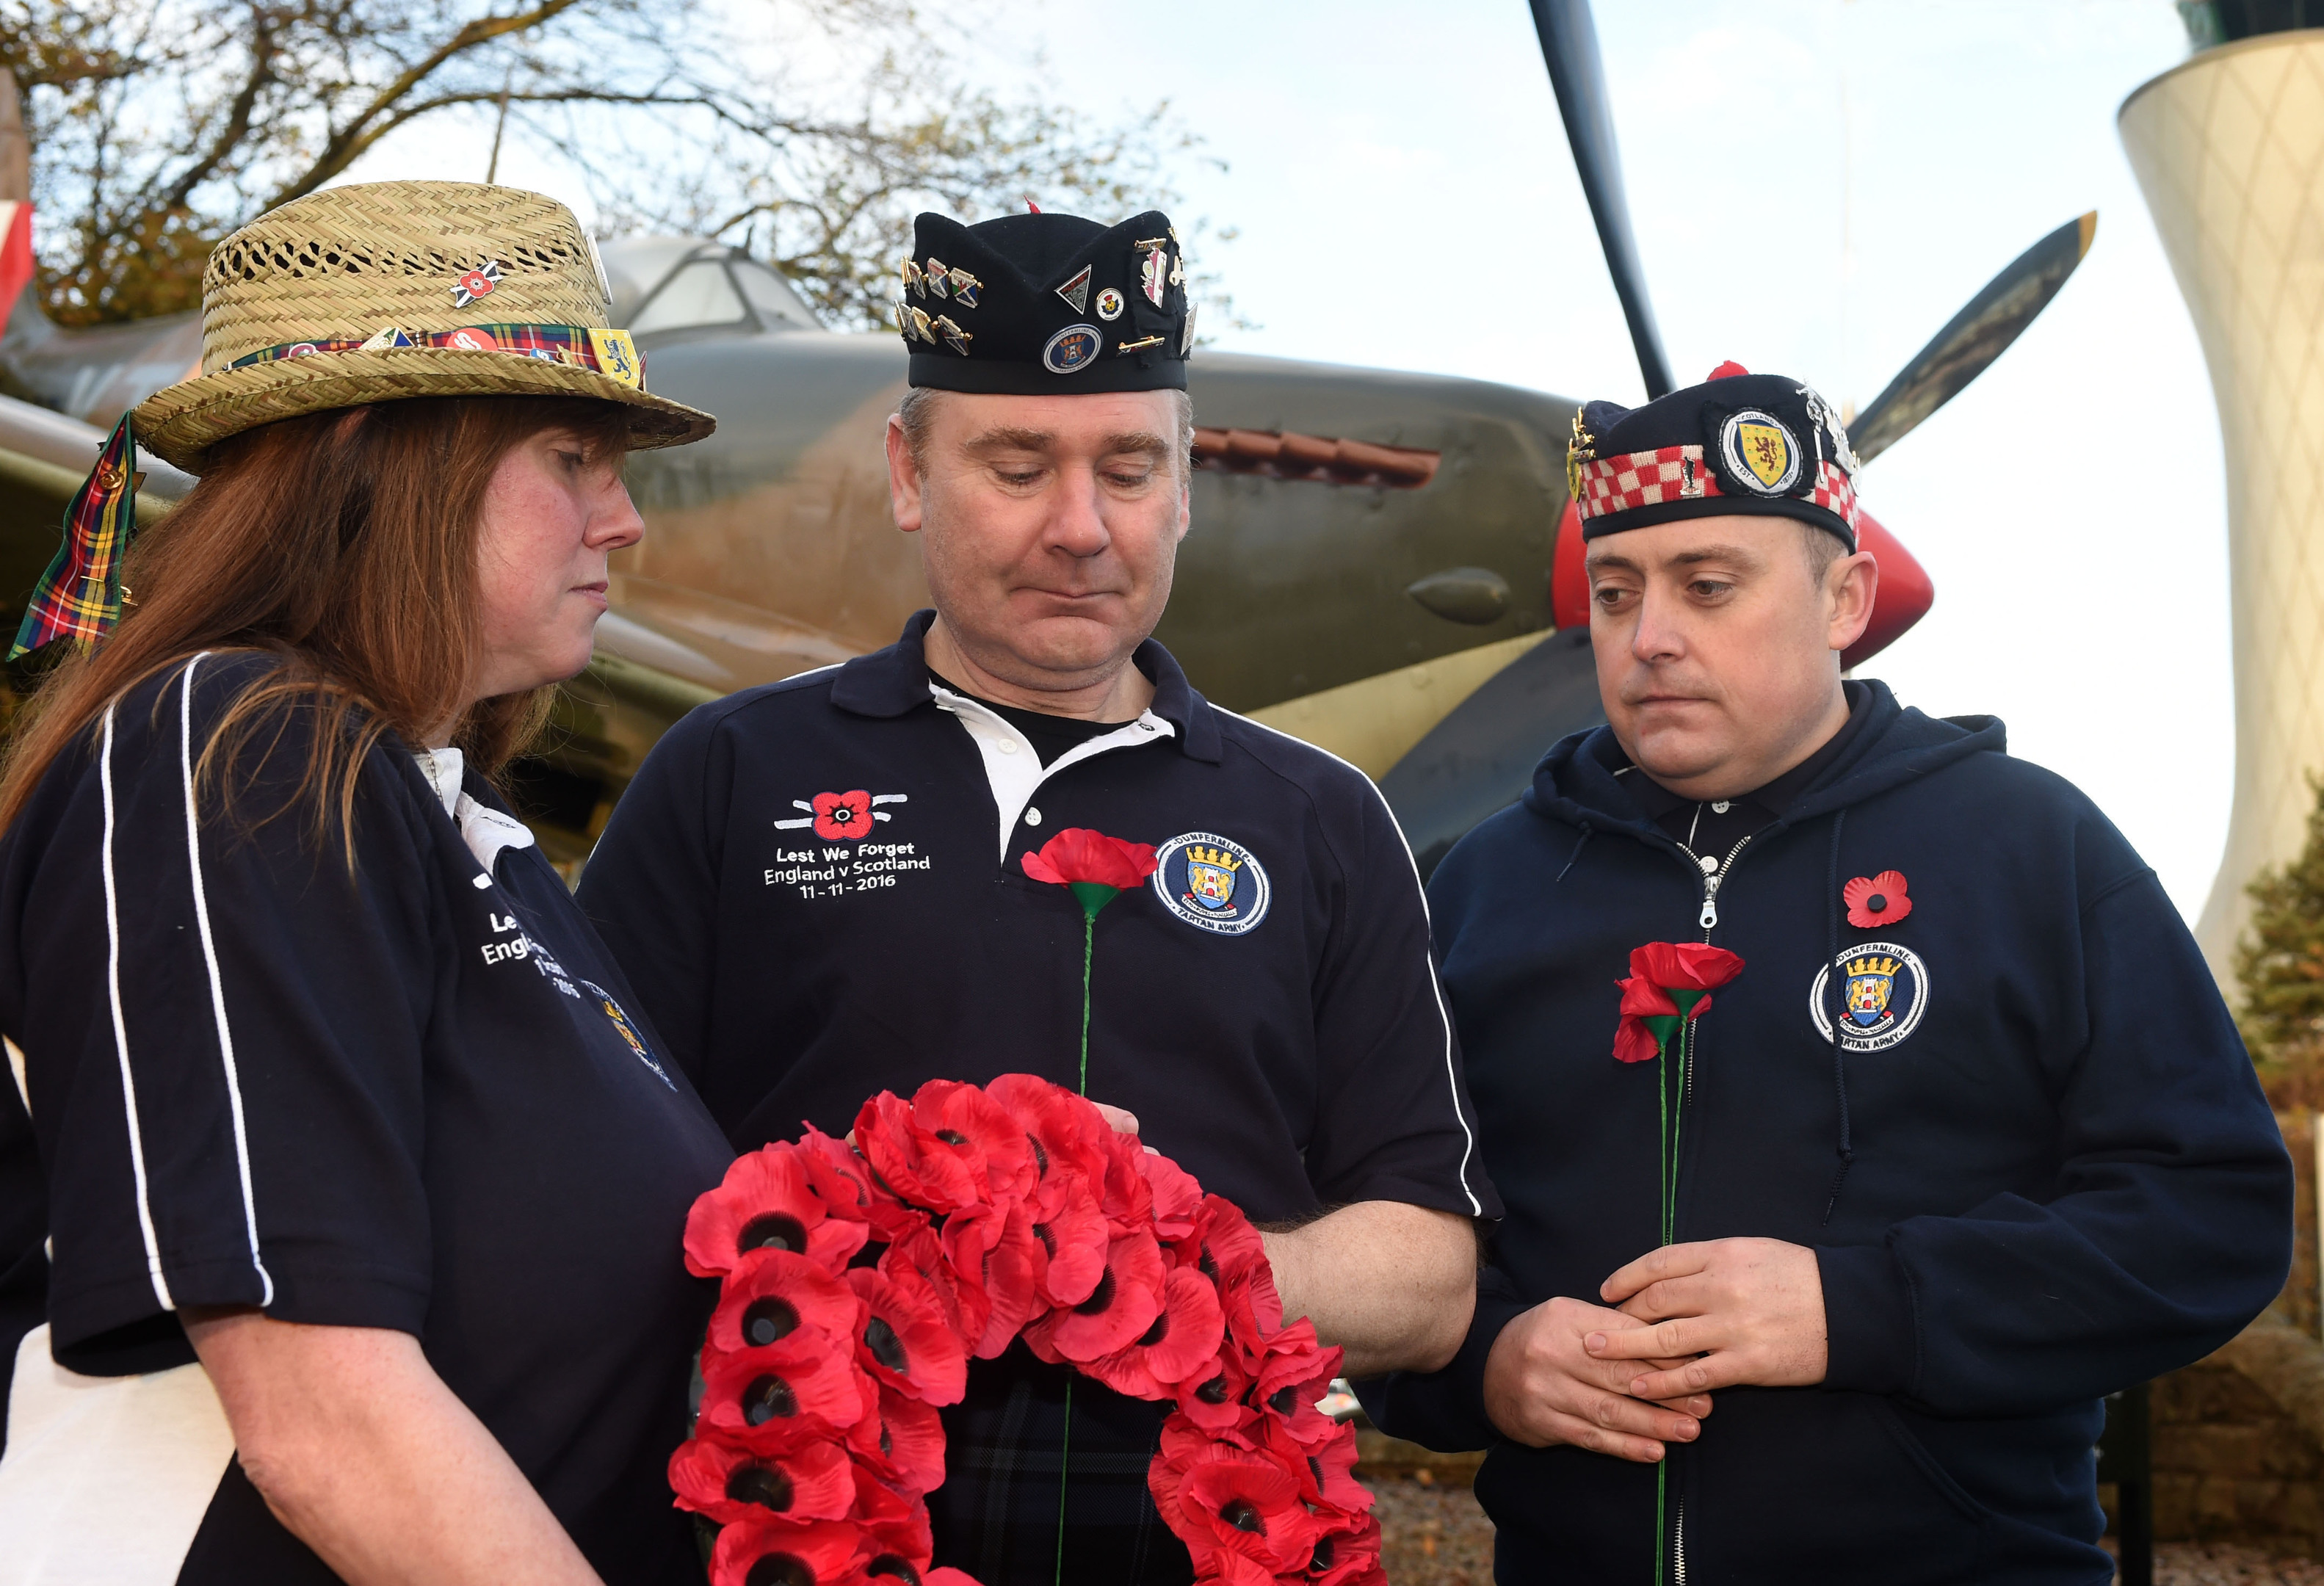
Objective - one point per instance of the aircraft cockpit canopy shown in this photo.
(663, 283)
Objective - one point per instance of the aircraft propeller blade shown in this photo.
(1569, 43)
(1974, 339)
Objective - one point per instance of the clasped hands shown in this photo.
(1629, 1376)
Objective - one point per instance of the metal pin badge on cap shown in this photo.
(1074, 347)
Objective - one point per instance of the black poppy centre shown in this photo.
(1101, 1298)
(763, 1485)
(774, 1231)
(889, 1566)
(780, 1569)
(1240, 1513)
(769, 1321)
(886, 1348)
(768, 1398)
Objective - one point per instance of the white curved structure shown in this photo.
(2229, 151)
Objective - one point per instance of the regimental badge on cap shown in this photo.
(913, 281)
(479, 282)
(1186, 331)
(917, 323)
(388, 337)
(964, 288)
(1761, 453)
(1142, 344)
(617, 356)
(939, 277)
(1074, 347)
(1153, 273)
(1108, 305)
(1819, 413)
(954, 337)
(1077, 290)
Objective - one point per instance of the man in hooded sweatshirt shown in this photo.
(1967, 1141)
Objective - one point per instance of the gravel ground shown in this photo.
(1435, 1535)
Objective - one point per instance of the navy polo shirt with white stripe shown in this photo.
(415, 1096)
(816, 889)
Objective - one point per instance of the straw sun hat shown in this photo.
(404, 289)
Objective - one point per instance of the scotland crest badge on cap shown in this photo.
(1761, 453)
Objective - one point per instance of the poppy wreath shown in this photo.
(857, 1281)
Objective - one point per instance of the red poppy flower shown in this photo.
(1069, 1234)
(811, 1480)
(1211, 1398)
(1222, 1245)
(909, 1162)
(1230, 1500)
(773, 1295)
(1185, 1339)
(916, 1263)
(1685, 966)
(1078, 854)
(780, 1395)
(900, 1440)
(1062, 1131)
(904, 1343)
(1177, 1198)
(1326, 1472)
(836, 1175)
(994, 1250)
(1126, 1197)
(1634, 1039)
(1348, 1553)
(1123, 1305)
(895, 1542)
(843, 816)
(1876, 900)
(981, 1133)
(766, 1201)
(1294, 1373)
(770, 1551)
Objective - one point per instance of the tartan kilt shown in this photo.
(996, 1515)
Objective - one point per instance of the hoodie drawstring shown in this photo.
(1839, 1065)
(1578, 847)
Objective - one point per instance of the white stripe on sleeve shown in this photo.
(121, 1028)
(217, 986)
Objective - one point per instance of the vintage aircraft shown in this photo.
(1384, 564)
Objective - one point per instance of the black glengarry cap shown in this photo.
(1755, 444)
(1036, 304)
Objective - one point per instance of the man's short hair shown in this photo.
(1823, 546)
(918, 414)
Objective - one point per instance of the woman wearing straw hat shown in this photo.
(364, 1181)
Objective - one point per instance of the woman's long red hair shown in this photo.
(345, 544)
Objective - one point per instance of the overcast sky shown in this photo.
(1819, 185)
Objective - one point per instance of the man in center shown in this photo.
(819, 890)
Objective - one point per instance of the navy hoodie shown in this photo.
(2042, 1171)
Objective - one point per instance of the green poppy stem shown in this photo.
(1089, 947)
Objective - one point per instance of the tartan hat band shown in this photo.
(610, 353)
(429, 260)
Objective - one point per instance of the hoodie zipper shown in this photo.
(1712, 881)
